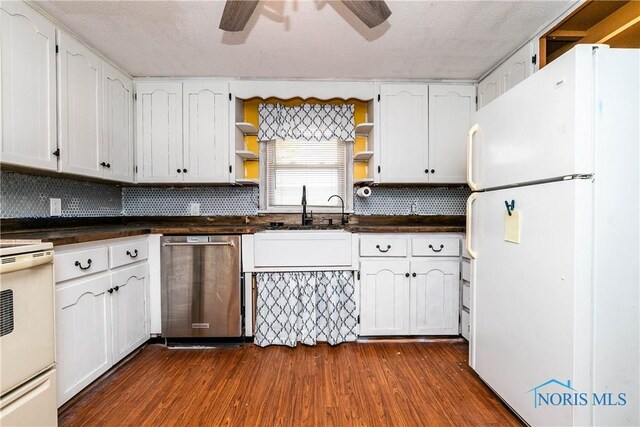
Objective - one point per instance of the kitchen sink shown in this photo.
(303, 247)
(299, 227)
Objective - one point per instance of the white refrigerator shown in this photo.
(553, 229)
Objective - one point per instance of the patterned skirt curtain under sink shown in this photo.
(306, 307)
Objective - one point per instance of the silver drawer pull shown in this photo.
(436, 250)
(199, 244)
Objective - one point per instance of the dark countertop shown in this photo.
(65, 231)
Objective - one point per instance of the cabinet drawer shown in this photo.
(465, 325)
(81, 263)
(466, 296)
(466, 270)
(432, 246)
(128, 253)
(383, 247)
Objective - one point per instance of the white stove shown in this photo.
(22, 246)
(27, 334)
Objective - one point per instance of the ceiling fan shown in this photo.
(236, 13)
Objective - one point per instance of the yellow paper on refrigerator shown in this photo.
(512, 225)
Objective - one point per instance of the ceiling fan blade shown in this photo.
(371, 12)
(236, 14)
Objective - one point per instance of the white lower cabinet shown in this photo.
(83, 316)
(415, 295)
(384, 297)
(434, 297)
(100, 318)
(129, 310)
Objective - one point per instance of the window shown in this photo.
(324, 167)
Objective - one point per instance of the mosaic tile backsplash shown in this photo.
(426, 201)
(163, 201)
(27, 196)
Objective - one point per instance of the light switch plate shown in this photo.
(55, 207)
(194, 209)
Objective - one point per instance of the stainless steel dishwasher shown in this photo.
(201, 288)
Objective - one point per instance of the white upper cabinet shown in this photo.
(518, 67)
(183, 132)
(117, 148)
(404, 151)
(206, 132)
(80, 108)
(159, 131)
(450, 111)
(423, 132)
(28, 136)
(489, 88)
(512, 71)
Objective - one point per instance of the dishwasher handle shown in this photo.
(229, 243)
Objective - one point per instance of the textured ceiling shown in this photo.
(306, 38)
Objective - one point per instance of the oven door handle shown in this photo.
(229, 243)
(23, 262)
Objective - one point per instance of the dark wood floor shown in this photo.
(367, 384)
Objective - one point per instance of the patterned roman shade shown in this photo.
(306, 122)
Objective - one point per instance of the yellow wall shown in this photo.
(251, 168)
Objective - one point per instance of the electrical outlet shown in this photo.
(55, 207)
(414, 208)
(194, 209)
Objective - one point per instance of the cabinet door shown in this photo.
(159, 132)
(518, 67)
(206, 132)
(450, 111)
(83, 329)
(435, 291)
(404, 154)
(489, 88)
(129, 310)
(80, 112)
(384, 297)
(28, 54)
(117, 150)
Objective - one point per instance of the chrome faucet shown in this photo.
(343, 219)
(306, 220)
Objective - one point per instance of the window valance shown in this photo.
(307, 122)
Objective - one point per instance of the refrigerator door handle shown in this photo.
(473, 254)
(470, 180)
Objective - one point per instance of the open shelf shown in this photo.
(362, 156)
(248, 128)
(245, 181)
(363, 129)
(247, 155)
